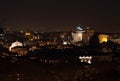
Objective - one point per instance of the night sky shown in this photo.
(60, 15)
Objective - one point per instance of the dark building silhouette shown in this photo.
(94, 41)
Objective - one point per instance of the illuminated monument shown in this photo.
(77, 35)
(82, 35)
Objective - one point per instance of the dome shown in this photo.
(79, 28)
(15, 44)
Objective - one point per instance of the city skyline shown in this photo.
(102, 16)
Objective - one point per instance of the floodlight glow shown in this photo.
(103, 38)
